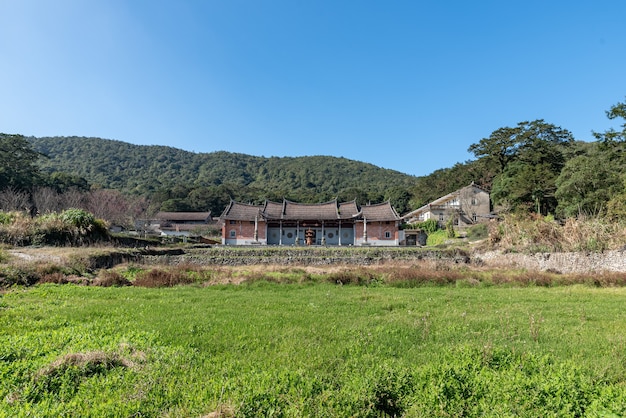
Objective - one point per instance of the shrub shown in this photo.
(109, 278)
(543, 234)
(414, 277)
(56, 278)
(78, 218)
(70, 227)
(429, 226)
(437, 238)
(7, 218)
(18, 275)
(356, 276)
(477, 232)
(161, 278)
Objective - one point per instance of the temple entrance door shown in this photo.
(309, 236)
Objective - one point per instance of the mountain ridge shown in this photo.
(148, 169)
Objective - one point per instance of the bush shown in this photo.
(78, 218)
(161, 278)
(70, 227)
(544, 234)
(429, 226)
(7, 218)
(477, 232)
(437, 238)
(20, 276)
(357, 276)
(109, 278)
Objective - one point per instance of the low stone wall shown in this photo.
(582, 262)
(579, 262)
(319, 256)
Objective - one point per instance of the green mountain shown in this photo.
(165, 173)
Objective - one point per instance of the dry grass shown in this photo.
(533, 233)
(108, 278)
(223, 411)
(162, 278)
(91, 362)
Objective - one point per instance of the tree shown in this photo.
(399, 198)
(525, 187)
(212, 198)
(63, 182)
(18, 167)
(586, 185)
(612, 136)
(175, 205)
(46, 200)
(529, 158)
(13, 199)
(499, 149)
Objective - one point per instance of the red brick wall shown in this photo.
(243, 229)
(376, 230)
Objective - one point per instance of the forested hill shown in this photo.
(146, 170)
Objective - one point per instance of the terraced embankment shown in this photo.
(237, 256)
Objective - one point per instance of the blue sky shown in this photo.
(405, 85)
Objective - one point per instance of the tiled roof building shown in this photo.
(292, 223)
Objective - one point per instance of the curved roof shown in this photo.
(273, 210)
(241, 211)
(379, 212)
(317, 211)
(348, 210)
(293, 211)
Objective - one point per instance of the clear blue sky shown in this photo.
(405, 85)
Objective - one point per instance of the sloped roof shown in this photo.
(317, 211)
(183, 216)
(241, 211)
(348, 210)
(293, 211)
(273, 210)
(442, 200)
(379, 212)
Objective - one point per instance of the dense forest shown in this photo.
(181, 180)
(531, 167)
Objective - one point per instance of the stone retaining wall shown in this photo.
(579, 262)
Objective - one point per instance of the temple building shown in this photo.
(329, 223)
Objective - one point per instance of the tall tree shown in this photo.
(18, 160)
(527, 158)
(499, 149)
(616, 111)
(586, 184)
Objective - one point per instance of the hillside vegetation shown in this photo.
(167, 173)
(532, 167)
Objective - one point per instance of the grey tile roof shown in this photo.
(273, 210)
(184, 216)
(379, 212)
(318, 211)
(348, 210)
(241, 211)
(292, 211)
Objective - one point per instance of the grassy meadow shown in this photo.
(313, 349)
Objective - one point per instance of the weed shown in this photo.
(108, 278)
(64, 375)
(535, 326)
(161, 278)
(12, 275)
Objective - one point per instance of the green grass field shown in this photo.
(312, 350)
